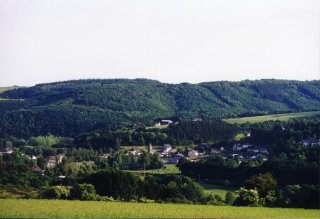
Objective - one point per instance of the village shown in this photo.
(240, 152)
(169, 154)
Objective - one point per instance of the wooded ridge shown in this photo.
(72, 107)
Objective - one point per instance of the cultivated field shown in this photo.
(274, 117)
(32, 208)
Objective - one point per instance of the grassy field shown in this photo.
(168, 169)
(158, 127)
(213, 189)
(10, 191)
(274, 117)
(32, 208)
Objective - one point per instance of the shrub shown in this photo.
(117, 184)
(263, 183)
(247, 197)
(230, 198)
(57, 192)
(214, 200)
(84, 192)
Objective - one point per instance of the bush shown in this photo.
(230, 198)
(214, 200)
(57, 192)
(299, 196)
(247, 197)
(84, 192)
(263, 183)
(117, 184)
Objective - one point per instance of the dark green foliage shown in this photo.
(230, 198)
(263, 183)
(289, 161)
(294, 170)
(213, 130)
(126, 186)
(118, 184)
(15, 169)
(73, 107)
(296, 196)
(247, 197)
(130, 162)
(214, 168)
(57, 192)
(184, 133)
(173, 188)
(214, 200)
(297, 169)
(83, 192)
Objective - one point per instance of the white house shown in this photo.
(167, 147)
(193, 153)
(215, 151)
(135, 152)
(5, 150)
(196, 120)
(51, 162)
(166, 122)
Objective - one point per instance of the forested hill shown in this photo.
(72, 107)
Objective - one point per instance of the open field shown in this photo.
(32, 208)
(274, 117)
(11, 191)
(168, 169)
(158, 127)
(213, 189)
(141, 147)
(136, 147)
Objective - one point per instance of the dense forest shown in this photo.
(73, 107)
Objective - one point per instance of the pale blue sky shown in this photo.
(168, 40)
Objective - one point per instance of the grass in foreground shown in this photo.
(274, 117)
(32, 208)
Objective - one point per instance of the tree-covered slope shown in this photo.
(72, 107)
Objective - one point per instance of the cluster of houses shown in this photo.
(243, 152)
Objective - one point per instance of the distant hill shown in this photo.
(72, 107)
(3, 89)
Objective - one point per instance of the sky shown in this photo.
(171, 41)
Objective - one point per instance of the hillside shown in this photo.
(3, 89)
(72, 107)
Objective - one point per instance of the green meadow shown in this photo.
(215, 189)
(167, 169)
(274, 117)
(32, 208)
